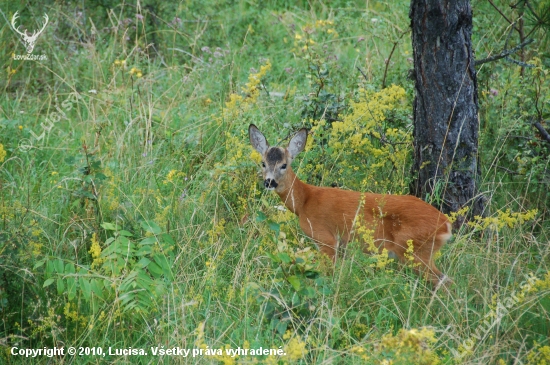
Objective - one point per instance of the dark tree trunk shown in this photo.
(445, 107)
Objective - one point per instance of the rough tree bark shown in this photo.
(445, 107)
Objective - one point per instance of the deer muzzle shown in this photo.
(270, 184)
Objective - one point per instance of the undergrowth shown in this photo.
(132, 214)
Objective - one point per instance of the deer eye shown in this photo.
(263, 164)
(283, 167)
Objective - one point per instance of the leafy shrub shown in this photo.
(296, 287)
(371, 140)
(517, 152)
(133, 274)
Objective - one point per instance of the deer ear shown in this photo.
(257, 139)
(297, 143)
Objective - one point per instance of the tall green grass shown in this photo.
(155, 150)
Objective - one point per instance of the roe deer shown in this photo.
(328, 215)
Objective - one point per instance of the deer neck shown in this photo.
(292, 192)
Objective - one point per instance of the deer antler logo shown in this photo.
(29, 40)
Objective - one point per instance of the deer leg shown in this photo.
(422, 263)
(325, 241)
(425, 267)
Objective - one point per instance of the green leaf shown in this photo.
(274, 322)
(97, 288)
(144, 281)
(69, 268)
(123, 246)
(308, 292)
(39, 264)
(129, 283)
(143, 262)
(125, 242)
(295, 282)
(325, 290)
(145, 301)
(109, 226)
(125, 233)
(49, 268)
(148, 241)
(85, 287)
(159, 288)
(144, 250)
(155, 269)
(311, 274)
(87, 194)
(260, 217)
(100, 176)
(168, 239)
(274, 258)
(107, 251)
(162, 261)
(284, 257)
(58, 264)
(48, 282)
(60, 286)
(95, 164)
(150, 226)
(295, 300)
(125, 298)
(71, 288)
(275, 227)
(281, 327)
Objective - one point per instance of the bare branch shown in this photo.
(502, 14)
(505, 53)
(389, 57)
(508, 170)
(362, 73)
(519, 63)
(543, 132)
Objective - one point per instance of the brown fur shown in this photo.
(327, 214)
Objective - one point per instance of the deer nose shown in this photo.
(270, 183)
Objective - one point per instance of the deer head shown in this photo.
(276, 160)
(29, 40)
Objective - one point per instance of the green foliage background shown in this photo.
(131, 209)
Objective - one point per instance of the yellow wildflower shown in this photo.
(95, 251)
(3, 153)
(295, 349)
